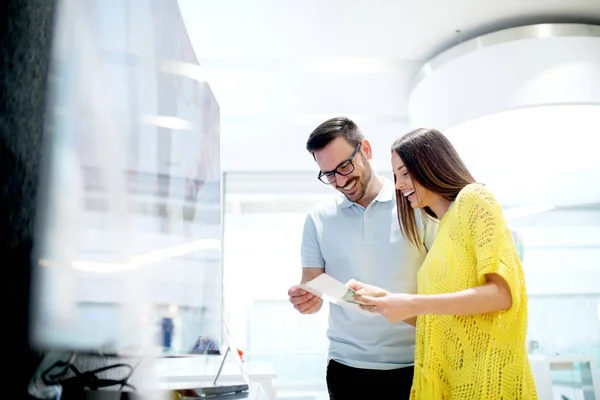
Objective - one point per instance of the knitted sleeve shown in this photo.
(485, 228)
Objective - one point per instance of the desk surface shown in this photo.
(198, 367)
(197, 373)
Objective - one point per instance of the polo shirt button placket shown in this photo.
(368, 227)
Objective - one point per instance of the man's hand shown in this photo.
(303, 301)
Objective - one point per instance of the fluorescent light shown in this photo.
(348, 65)
(192, 71)
(167, 122)
(149, 258)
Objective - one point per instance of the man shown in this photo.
(357, 236)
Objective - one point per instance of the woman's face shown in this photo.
(416, 194)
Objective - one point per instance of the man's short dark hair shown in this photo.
(331, 129)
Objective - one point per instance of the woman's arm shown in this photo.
(492, 296)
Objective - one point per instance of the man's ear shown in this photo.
(365, 147)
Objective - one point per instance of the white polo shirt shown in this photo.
(353, 242)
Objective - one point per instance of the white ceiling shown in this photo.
(400, 30)
(279, 67)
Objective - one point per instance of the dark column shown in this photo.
(25, 40)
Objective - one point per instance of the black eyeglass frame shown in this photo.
(335, 172)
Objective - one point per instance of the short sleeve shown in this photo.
(311, 250)
(492, 243)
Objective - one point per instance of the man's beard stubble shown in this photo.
(363, 181)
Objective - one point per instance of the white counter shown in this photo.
(174, 373)
(543, 365)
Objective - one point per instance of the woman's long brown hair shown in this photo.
(432, 161)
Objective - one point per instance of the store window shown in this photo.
(263, 222)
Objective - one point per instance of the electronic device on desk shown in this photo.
(219, 390)
(216, 389)
(253, 394)
(205, 345)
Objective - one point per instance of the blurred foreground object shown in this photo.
(25, 45)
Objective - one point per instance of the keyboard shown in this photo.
(223, 390)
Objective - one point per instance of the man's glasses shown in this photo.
(344, 168)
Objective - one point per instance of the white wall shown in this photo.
(280, 146)
(562, 251)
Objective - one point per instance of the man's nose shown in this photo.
(341, 180)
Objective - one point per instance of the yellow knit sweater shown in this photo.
(476, 357)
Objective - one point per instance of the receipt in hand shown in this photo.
(334, 291)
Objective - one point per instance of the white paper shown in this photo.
(333, 291)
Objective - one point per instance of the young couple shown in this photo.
(431, 250)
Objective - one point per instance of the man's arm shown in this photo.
(308, 274)
(313, 266)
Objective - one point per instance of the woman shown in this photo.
(471, 306)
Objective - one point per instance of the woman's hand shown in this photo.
(394, 307)
(366, 290)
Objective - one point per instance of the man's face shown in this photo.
(336, 155)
